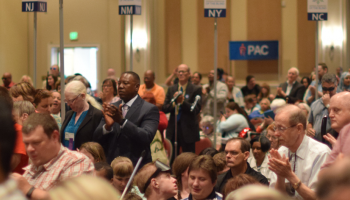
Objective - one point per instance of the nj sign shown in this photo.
(317, 10)
(253, 50)
(214, 8)
(130, 7)
(34, 6)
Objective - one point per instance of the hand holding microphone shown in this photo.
(197, 98)
(178, 97)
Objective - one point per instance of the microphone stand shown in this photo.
(133, 173)
(175, 142)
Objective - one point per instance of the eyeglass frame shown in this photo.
(161, 167)
(71, 101)
(282, 130)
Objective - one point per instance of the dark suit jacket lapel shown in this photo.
(189, 91)
(87, 118)
(284, 87)
(135, 106)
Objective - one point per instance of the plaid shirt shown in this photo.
(66, 164)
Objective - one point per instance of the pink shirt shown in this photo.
(66, 164)
(341, 146)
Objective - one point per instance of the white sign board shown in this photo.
(130, 7)
(317, 10)
(214, 8)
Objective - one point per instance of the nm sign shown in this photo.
(253, 50)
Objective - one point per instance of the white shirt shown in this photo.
(289, 87)
(263, 169)
(310, 156)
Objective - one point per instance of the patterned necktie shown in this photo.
(179, 114)
(125, 109)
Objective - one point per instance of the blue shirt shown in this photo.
(71, 130)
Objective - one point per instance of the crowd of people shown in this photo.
(144, 141)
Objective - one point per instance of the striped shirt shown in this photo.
(66, 164)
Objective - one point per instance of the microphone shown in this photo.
(177, 96)
(195, 102)
(133, 173)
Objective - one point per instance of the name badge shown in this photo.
(186, 96)
(69, 136)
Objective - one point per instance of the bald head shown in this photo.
(339, 110)
(6, 79)
(183, 73)
(54, 70)
(294, 113)
(149, 79)
(110, 72)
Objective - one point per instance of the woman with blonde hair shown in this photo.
(84, 187)
(81, 122)
(23, 91)
(94, 151)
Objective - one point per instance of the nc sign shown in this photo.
(253, 50)
(317, 10)
(130, 7)
(34, 6)
(214, 8)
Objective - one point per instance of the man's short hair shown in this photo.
(105, 166)
(22, 107)
(237, 182)
(210, 151)
(143, 175)
(205, 163)
(134, 75)
(329, 78)
(8, 136)
(323, 65)
(40, 119)
(245, 146)
(296, 115)
(199, 74)
(220, 161)
(40, 95)
(247, 79)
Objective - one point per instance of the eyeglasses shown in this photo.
(53, 68)
(4, 78)
(161, 167)
(282, 129)
(328, 89)
(71, 101)
(106, 86)
(181, 72)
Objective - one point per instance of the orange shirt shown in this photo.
(20, 149)
(157, 91)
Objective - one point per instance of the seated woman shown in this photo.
(207, 130)
(80, 123)
(259, 161)
(344, 83)
(234, 121)
(257, 117)
(250, 104)
(180, 170)
(109, 92)
(23, 91)
(94, 151)
(264, 92)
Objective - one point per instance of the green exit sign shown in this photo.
(73, 35)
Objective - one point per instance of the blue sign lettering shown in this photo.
(34, 6)
(253, 50)
(129, 10)
(317, 16)
(214, 12)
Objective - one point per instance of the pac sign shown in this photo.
(317, 10)
(34, 6)
(214, 8)
(130, 7)
(253, 50)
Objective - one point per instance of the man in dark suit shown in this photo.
(292, 89)
(130, 124)
(187, 121)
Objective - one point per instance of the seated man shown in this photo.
(297, 162)
(202, 177)
(292, 89)
(155, 181)
(51, 162)
(339, 113)
(320, 108)
(237, 153)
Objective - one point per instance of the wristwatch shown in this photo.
(296, 185)
(30, 192)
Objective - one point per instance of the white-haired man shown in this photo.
(291, 89)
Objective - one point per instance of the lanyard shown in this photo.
(295, 159)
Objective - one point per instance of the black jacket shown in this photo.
(296, 93)
(189, 120)
(86, 129)
(136, 135)
(224, 177)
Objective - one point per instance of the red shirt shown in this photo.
(10, 85)
(20, 149)
(163, 122)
